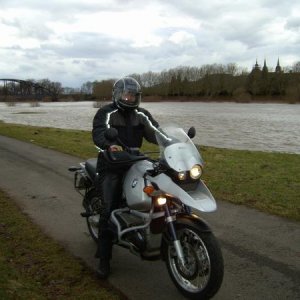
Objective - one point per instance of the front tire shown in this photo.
(92, 204)
(202, 274)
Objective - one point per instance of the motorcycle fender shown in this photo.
(183, 220)
(193, 220)
(200, 199)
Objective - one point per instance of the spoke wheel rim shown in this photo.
(94, 221)
(94, 207)
(195, 275)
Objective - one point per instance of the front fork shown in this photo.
(177, 245)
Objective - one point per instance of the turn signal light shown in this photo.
(149, 189)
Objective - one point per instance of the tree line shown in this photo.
(210, 82)
(214, 82)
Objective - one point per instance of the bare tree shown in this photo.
(296, 67)
(87, 88)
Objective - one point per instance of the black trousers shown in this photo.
(109, 187)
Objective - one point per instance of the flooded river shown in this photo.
(265, 127)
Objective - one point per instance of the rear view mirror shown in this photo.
(192, 132)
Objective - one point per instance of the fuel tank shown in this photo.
(134, 184)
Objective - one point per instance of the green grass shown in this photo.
(267, 181)
(74, 142)
(33, 266)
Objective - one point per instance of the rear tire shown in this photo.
(202, 275)
(92, 207)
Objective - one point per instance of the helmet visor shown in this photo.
(130, 98)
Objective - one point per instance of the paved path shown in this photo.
(261, 252)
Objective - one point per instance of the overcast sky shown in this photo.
(75, 41)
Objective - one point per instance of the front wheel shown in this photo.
(202, 273)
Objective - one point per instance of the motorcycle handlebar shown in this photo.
(122, 157)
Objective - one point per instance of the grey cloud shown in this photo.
(229, 31)
(88, 45)
(282, 8)
(293, 24)
(69, 7)
(29, 27)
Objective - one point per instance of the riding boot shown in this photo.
(104, 250)
(104, 253)
(103, 268)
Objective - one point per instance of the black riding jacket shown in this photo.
(132, 126)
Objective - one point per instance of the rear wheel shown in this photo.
(92, 207)
(202, 274)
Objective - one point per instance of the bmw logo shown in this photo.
(134, 183)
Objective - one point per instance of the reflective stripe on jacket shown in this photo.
(132, 126)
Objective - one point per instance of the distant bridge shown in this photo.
(16, 89)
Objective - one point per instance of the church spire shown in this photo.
(265, 68)
(256, 66)
(278, 68)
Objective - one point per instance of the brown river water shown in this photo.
(263, 127)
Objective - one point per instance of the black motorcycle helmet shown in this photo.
(126, 93)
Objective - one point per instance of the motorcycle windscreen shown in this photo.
(177, 149)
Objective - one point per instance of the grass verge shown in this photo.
(267, 181)
(33, 266)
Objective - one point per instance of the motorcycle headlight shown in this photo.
(161, 200)
(181, 175)
(196, 172)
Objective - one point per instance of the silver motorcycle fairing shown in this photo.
(200, 199)
(180, 154)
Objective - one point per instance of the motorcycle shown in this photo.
(159, 215)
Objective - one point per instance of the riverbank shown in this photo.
(240, 99)
(269, 182)
(244, 98)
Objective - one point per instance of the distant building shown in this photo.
(262, 82)
(257, 69)
(278, 68)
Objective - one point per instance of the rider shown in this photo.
(133, 124)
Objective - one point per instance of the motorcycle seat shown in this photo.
(90, 166)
